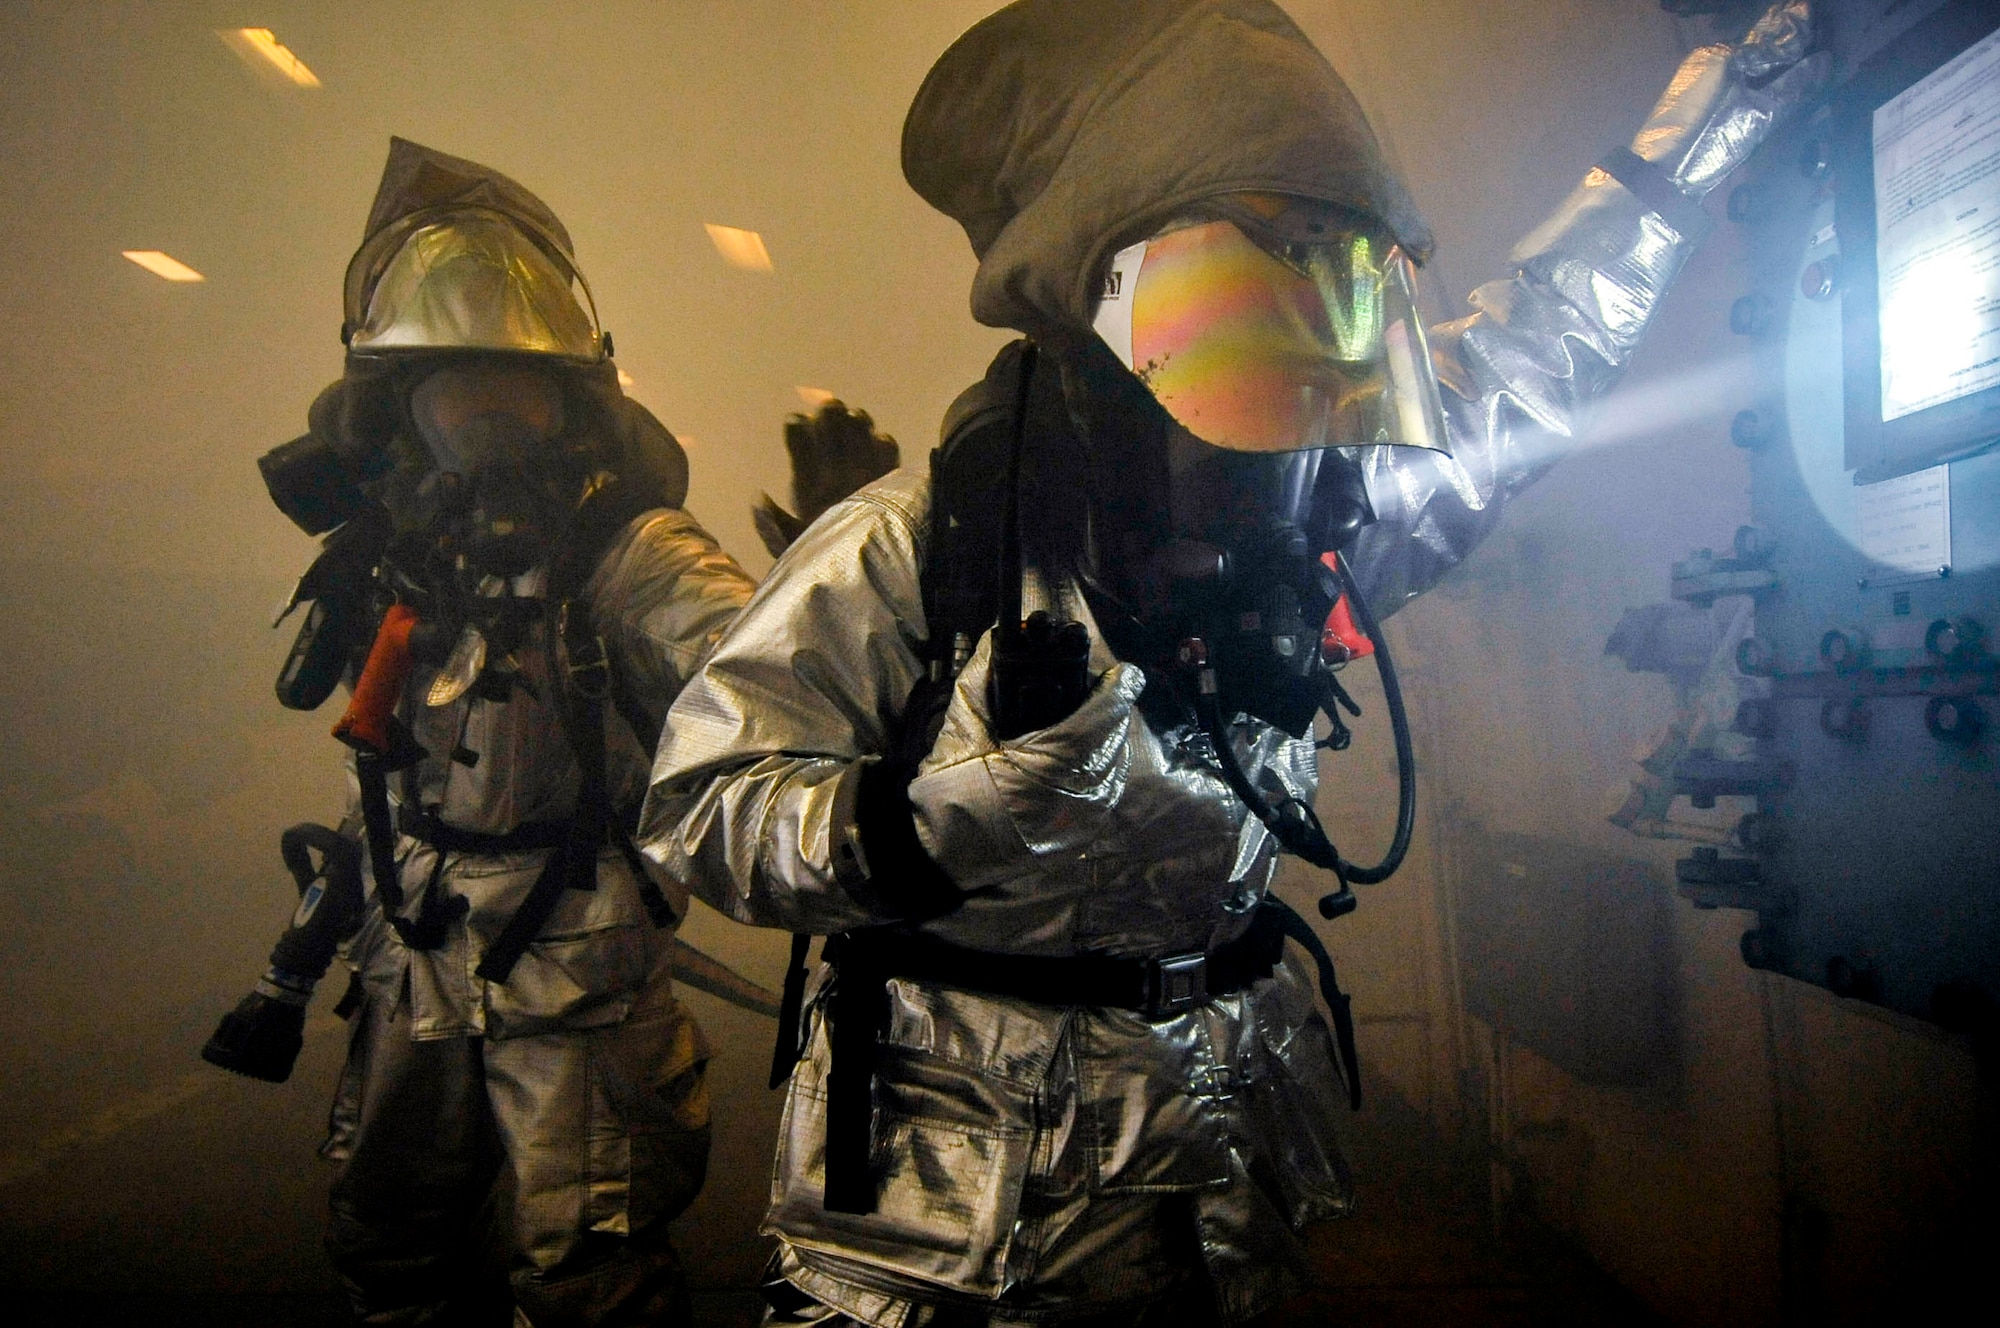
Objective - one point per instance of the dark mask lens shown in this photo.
(492, 442)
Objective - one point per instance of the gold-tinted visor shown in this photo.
(1277, 349)
(468, 279)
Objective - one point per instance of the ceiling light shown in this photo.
(739, 248)
(160, 265)
(814, 397)
(262, 51)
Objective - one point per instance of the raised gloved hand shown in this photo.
(1627, 228)
(834, 451)
(1725, 99)
(983, 807)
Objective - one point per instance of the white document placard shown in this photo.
(1906, 522)
(1937, 233)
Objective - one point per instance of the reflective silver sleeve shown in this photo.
(755, 751)
(662, 597)
(1561, 329)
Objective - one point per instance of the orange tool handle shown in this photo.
(365, 726)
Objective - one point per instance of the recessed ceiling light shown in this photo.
(814, 397)
(739, 248)
(262, 51)
(160, 265)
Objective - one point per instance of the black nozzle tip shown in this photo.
(1338, 904)
(259, 1039)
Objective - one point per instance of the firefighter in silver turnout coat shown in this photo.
(1037, 1162)
(470, 333)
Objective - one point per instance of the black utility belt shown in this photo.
(572, 866)
(1158, 987)
(426, 828)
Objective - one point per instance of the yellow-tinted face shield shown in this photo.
(1276, 347)
(468, 279)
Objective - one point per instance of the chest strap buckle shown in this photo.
(1175, 983)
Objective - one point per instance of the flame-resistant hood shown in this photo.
(1056, 132)
(456, 256)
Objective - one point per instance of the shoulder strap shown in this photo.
(962, 542)
(1338, 1003)
(960, 596)
(584, 679)
(603, 516)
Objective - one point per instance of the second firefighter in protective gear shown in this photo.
(1024, 736)
(546, 596)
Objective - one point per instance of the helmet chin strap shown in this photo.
(1290, 820)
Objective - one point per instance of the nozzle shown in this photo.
(259, 1039)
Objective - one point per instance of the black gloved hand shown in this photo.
(834, 452)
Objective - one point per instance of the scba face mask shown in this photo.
(1276, 343)
(500, 485)
(1242, 568)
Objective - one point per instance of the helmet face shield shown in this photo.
(468, 280)
(1278, 349)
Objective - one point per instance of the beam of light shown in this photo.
(161, 265)
(739, 248)
(1655, 409)
(262, 51)
(814, 397)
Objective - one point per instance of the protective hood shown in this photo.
(1056, 133)
(456, 256)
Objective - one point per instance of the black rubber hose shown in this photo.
(1301, 833)
(1303, 837)
(1399, 724)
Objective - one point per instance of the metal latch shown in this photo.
(1176, 983)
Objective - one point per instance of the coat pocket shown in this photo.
(588, 980)
(1292, 1097)
(947, 1194)
(1154, 1101)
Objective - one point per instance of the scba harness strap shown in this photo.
(586, 681)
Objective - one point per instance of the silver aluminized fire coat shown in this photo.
(1045, 1161)
(661, 596)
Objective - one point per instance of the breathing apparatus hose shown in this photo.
(1399, 726)
(1294, 823)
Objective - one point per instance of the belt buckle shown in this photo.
(1176, 983)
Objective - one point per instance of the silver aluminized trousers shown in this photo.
(602, 1133)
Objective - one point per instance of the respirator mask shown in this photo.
(1277, 340)
(500, 491)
